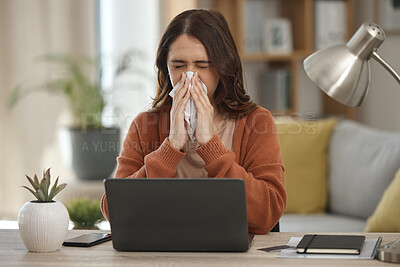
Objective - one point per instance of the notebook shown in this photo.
(169, 214)
(331, 244)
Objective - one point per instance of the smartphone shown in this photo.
(87, 240)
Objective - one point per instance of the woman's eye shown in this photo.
(178, 67)
(202, 67)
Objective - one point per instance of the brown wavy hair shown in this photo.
(212, 30)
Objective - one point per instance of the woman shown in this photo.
(233, 138)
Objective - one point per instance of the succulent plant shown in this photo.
(41, 189)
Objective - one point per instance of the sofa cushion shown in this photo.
(386, 217)
(316, 223)
(304, 149)
(363, 162)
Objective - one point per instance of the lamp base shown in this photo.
(390, 252)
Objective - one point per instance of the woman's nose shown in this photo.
(191, 68)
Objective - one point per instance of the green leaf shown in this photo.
(34, 185)
(54, 185)
(44, 187)
(36, 180)
(48, 177)
(56, 191)
(40, 196)
(30, 190)
(53, 190)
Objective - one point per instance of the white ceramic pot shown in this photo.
(43, 226)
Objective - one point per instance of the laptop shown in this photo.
(170, 214)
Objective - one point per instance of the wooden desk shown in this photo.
(14, 253)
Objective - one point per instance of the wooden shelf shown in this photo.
(299, 55)
(301, 15)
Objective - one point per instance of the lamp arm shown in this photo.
(378, 58)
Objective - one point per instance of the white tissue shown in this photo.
(190, 109)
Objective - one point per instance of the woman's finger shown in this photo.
(199, 94)
(182, 87)
(178, 133)
(205, 112)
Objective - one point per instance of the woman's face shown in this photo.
(188, 54)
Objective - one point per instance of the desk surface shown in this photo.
(14, 253)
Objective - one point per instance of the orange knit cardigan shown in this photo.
(256, 158)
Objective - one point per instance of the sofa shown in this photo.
(341, 176)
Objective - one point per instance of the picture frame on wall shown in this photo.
(387, 15)
(277, 38)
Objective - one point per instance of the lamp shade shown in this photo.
(343, 71)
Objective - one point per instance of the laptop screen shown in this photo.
(169, 214)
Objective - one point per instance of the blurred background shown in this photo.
(108, 30)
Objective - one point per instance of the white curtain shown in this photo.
(28, 133)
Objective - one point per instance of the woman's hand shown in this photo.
(178, 133)
(205, 112)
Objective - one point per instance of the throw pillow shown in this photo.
(386, 217)
(363, 162)
(304, 153)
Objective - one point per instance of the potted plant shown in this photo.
(43, 223)
(88, 147)
(85, 213)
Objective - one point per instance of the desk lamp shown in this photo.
(343, 73)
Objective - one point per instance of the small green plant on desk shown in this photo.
(85, 213)
(41, 188)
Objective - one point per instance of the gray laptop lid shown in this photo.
(167, 214)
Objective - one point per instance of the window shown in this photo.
(128, 25)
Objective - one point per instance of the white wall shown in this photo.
(380, 108)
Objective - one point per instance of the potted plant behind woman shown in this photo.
(88, 147)
(43, 223)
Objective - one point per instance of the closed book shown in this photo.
(331, 244)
